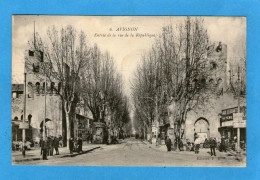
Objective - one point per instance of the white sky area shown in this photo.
(126, 51)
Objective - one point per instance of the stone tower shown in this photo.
(204, 120)
(35, 96)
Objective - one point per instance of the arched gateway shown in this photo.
(201, 128)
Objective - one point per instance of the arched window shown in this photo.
(30, 90)
(43, 87)
(211, 84)
(29, 119)
(219, 87)
(59, 87)
(219, 47)
(213, 65)
(52, 87)
(219, 82)
(36, 67)
(21, 117)
(37, 87)
(203, 83)
(16, 118)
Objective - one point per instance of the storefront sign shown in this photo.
(227, 123)
(99, 124)
(238, 121)
(24, 125)
(226, 117)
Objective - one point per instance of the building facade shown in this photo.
(39, 104)
(204, 120)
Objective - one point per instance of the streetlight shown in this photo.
(24, 115)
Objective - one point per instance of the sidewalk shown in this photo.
(35, 154)
(202, 153)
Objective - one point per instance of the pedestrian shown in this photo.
(235, 143)
(41, 145)
(88, 137)
(192, 147)
(60, 141)
(48, 146)
(79, 145)
(56, 145)
(222, 146)
(197, 145)
(44, 149)
(180, 145)
(168, 143)
(71, 144)
(213, 145)
(51, 146)
(91, 138)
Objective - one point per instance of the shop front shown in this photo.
(233, 127)
(82, 128)
(17, 135)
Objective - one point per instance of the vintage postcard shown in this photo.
(129, 91)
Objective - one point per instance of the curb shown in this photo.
(62, 156)
(84, 152)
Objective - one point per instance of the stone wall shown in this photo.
(210, 113)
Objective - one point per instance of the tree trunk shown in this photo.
(68, 128)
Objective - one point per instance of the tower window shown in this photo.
(43, 87)
(37, 87)
(219, 48)
(31, 53)
(213, 65)
(203, 83)
(59, 87)
(30, 89)
(52, 86)
(29, 119)
(36, 67)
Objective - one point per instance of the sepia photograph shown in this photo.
(167, 91)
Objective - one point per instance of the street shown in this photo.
(137, 153)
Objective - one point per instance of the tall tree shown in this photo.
(174, 72)
(102, 89)
(65, 54)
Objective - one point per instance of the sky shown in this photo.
(126, 51)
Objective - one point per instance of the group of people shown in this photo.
(49, 145)
(196, 146)
(89, 138)
(212, 145)
(75, 145)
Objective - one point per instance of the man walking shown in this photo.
(213, 145)
(41, 145)
(44, 150)
(56, 145)
(168, 143)
(71, 145)
(79, 145)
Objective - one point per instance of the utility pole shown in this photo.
(44, 121)
(24, 115)
(239, 109)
